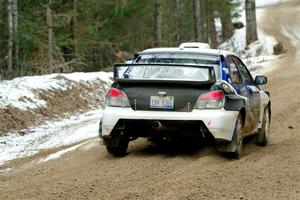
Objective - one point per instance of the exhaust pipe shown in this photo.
(156, 125)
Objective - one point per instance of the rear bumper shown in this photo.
(219, 122)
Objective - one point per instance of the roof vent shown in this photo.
(194, 45)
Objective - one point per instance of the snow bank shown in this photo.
(22, 93)
(83, 91)
(87, 77)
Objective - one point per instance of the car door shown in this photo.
(252, 93)
(237, 81)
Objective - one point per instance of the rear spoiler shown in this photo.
(212, 76)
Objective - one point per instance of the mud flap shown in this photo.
(111, 142)
(226, 147)
(229, 146)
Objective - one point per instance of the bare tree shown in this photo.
(205, 20)
(50, 34)
(251, 26)
(69, 49)
(178, 21)
(15, 54)
(157, 22)
(73, 28)
(212, 32)
(10, 38)
(197, 20)
(226, 21)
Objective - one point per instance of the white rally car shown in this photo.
(188, 92)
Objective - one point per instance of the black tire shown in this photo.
(234, 148)
(237, 139)
(262, 137)
(120, 149)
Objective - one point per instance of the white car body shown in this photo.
(248, 101)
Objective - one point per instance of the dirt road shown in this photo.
(271, 172)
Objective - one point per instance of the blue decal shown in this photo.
(237, 88)
(225, 72)
(250, 91)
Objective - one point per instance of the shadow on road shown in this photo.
(144, 148)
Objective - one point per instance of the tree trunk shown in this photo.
(69, 49)
(197, 20)
(15, 55)
(178, 22)
(50, 34)
(157, 23)
(205, 20)
(73, 28)
(10, 39)
(212, 33)
(251, 26)
(227, 27)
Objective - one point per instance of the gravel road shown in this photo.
(148, 172)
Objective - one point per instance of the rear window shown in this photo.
(178, 58)
(163, 72)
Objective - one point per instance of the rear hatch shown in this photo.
(159, 87)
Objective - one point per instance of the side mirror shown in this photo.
(260, 80)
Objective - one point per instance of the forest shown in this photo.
(61, 36)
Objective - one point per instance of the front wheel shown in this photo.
(262, 137)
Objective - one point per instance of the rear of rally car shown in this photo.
(166, 102)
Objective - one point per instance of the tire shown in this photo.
(120, 149)
(234, 148)
(237, 139)
(262, 137)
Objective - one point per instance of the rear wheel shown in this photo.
(262, 137)
(234, 148)
(237, 139)
(118, 150)
(118, 144)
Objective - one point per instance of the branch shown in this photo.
(3, 59)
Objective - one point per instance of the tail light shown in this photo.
(117, 98)
(210, 100)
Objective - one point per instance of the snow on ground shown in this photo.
(50, 135)
(60, 153)
(20, 92)
(262, 3)
(87, 77)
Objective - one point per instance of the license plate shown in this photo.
(162, 102)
